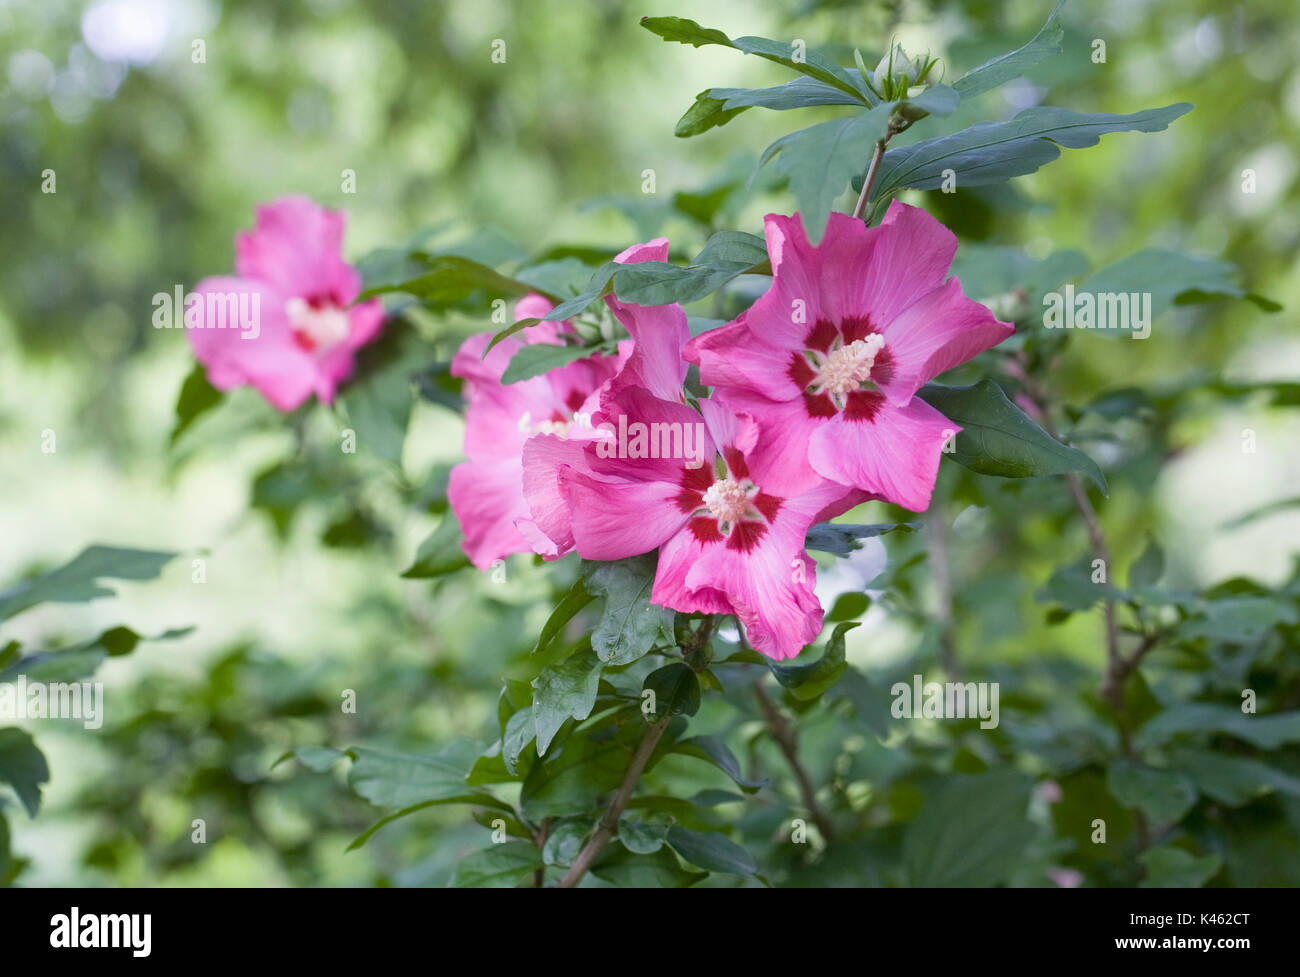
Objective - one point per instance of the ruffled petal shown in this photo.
(894, 455)
(488, 499)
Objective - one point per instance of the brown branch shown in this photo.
(784, 736)
(608, 826)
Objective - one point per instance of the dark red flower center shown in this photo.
(840, 367)
(725, 504)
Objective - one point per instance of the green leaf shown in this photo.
(1232, 780)
(661, 870)
(715, 751)
(77, 662)
(629, 624)
(726, 255)
(197, 396)
(676, 689)
(1147, 568)
(440, 553)
(318, 759)
(821, 160)
(1240, 620)
(23, 767)
(814, 64)
(567, 688)
(1005, 67)
(999, 439)
(1171, 278)
(1173, 868)
(808, 681)
(502, 866)
(560, 279)
(1071, 587)
(79, 580)
(449, 279)
(642, 837)
(718, 106)
(586, 768)
(539, 358)
(711, 851)
(1268, 732)
(705, 113)
(994, 152)
(402, 780)
(937, 100)
(597, 286)
(972, 833)
(842, 538)
(570, 604)
(519, 732)
(1164, 796)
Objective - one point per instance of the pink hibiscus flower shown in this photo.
(727, 545)
(828, 360)
(657, 474)
(285, 322)
(654, 364)
(486, 491)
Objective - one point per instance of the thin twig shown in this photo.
(785, 739)
(608, 826)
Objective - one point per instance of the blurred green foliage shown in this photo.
(159, 163)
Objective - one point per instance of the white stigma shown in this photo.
(324, 327)
(727, 501)
(848, 367)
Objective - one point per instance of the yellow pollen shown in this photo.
(847, 368)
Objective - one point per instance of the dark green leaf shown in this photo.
(972, 833)
(711, 851)
(567, 688)
(197, 396)
(808, 681)
(821, 160)
(1005, 67)
(79, 580)
(994, 152)
(629, 624)
(440, 553)
(539, 358)
(1164, 796)
(714, 751)
(676, 689)
(23, 767)
(997, 438)
(502, 866)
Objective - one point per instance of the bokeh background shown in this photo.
(159, 161)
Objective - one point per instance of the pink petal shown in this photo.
(266, 357)
(877, 272)
(297, 248)
(543, 457)
(894, 455)
(935, 333)
(617, 519)
(487, 497)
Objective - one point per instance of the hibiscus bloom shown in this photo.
(727, 545)
(285, 322)
(486, 491)
(829, 359)
(654, 363)
(657, 474)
